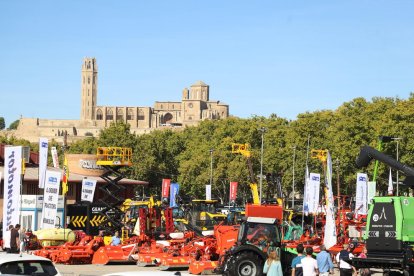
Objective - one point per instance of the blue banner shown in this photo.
(174, 188)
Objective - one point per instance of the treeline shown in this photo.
(185, 156)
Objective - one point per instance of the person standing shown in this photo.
(296, 262)
(324, 261)
(115, 239)
(309, 264)
(272, 266)
(6, 240)
(14, 239)
(345, 268)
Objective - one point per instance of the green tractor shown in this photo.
(389, 231)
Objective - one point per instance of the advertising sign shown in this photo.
(43, 149)
(313, 192)
(12, 178)
(175, 187)
(50, 200)
(208, 192)
(88, 189)
(165, 187)
(55, 158)
(233, 191)
(361, 194)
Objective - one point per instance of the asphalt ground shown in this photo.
(97, 270)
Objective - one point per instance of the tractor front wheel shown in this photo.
(247, 264)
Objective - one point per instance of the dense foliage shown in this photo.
(2, 123)
(185, 155)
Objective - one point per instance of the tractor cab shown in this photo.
(204, 214)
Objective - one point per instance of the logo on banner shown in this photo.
(315, 178)
(88, 189)
(175, 187)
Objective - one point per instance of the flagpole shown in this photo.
(306, 180)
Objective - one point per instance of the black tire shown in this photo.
(246, 264)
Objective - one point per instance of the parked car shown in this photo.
(25, 264)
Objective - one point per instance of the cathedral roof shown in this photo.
(199, 83)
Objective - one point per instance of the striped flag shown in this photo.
(65, 176)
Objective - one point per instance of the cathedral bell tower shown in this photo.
(89, 87)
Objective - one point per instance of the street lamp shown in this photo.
(262, 130)
(293, 177)
(398, 141)
(211, 166)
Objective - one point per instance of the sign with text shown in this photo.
(55, 157)
(12, 178)
(361, 194)
(313, 192)
(50, 200)
(165, 187)
(233, 191)
(43, 149)
(88, 189)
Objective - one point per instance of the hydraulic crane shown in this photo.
(243, 149)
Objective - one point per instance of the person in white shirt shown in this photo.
(7, 238)
(309, 264)
(345, 268)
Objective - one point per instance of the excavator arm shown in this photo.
(243, 149)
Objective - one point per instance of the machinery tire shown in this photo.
(247, 264)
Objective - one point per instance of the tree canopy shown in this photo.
(185, 155)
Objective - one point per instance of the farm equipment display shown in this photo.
(389, 234)
(260, 230)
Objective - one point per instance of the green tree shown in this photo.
(14, 125)
(2, 123)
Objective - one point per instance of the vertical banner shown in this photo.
(208, 192)
(175, 187)
(314, 184)
(330, 227)
(88, 189)
(43, 149)
(372, 190)
(165, 187)
(233, 191)
(12, 178)
(55, 157)
(361, 194)
(50, 200)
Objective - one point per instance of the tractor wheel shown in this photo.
(247, 264)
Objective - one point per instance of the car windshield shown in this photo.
(38, 268)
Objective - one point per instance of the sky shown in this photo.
(260, 57)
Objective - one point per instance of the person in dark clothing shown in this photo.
(14, 239)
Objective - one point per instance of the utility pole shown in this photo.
(338, 192)
(293, 177)
(262, 130)
(211, 167)
(398, 142)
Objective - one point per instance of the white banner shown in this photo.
(330, 228)
(314, 183)
(12, 179)
(88, 189)
(55, 157)
(208, 192)
(50, 200)
(43, 149)
(361, 194)
(372, 190)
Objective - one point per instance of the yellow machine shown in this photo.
(204, 214)
(243, 149)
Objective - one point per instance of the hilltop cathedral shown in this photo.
(194, 107)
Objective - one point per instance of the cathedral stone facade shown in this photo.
(195, 106)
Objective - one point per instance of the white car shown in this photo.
(25, 264)
(152, 273)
